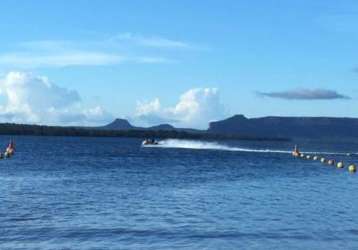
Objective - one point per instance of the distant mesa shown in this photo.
(118, 124)
(287, 127)
(263, 127)
(123, 124)
(235, 127)
(162, 127)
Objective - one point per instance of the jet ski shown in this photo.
(149, 142)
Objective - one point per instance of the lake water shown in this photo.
(111, 193)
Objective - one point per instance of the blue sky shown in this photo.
(185, 62)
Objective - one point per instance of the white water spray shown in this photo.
(190, 144)
(204, 145)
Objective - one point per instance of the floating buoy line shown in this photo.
(352, 168)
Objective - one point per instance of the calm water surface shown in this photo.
(110, 193)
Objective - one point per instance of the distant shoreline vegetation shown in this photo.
(44, 130)
(237, 127)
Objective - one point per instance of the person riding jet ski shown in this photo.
(296, 152)
(149, 142)
(10, 150)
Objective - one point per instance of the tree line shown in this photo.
(42, 130)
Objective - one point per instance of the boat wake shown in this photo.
(203, 145)
(189, 144)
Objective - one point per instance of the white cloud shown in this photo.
(34, 99)
(49, 45)
(144, 108)
(121, 49)
(75, 58)
(152, 41)
(195, 108)
(61, 59)
(97, 115)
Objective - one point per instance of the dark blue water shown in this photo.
(110, 193)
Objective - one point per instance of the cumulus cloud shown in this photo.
(195, 108)
(144, 108)
(305, 94)
(27, 98)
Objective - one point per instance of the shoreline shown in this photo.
(44, 130)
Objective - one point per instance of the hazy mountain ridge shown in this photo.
(235, 127)
(123, 124)
(291, 127)
(268, 127)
